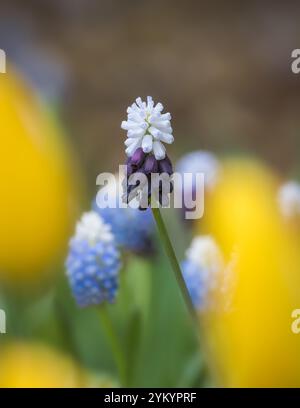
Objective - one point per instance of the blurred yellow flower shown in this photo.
(37, 192)
(251, 342)
(35, 365)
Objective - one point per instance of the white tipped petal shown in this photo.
(133, 108)
(126, 125)
(158, 117)
(134, 117)
(165, 124)
(165, 129)
(155, 132)
(153, 117)
(158, 108)
(128, 142)
(163, 137)
(165, 116)
(166, 138)
(135, 133)
(133, 146)
(137, 117)
(147, 143)
(159, 150)
(138, 101)
(150, 103)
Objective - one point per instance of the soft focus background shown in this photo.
(223, 71)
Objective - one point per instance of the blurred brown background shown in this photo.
(221, 68)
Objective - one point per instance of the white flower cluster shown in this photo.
(147, 128)
(91, 228)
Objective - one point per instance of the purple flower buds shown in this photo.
(146, 164)
(165, 166)
(137, 158)
(150, 165)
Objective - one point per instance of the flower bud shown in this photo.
(150, 165)
(138, 157)
(165, 166)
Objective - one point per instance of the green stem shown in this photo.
(173, 260)
(114, 343)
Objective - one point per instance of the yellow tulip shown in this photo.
(35, 365)
(37, 191)
(251, 343)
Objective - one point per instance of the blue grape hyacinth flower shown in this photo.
(199, 161)
(194, 282)
(193, 163)
(133, 229)
(93, 262)
(202, 271)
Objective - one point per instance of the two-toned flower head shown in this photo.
(202, 269)
(93, 262)
(147, 129)
(132, 229)
(289, 199)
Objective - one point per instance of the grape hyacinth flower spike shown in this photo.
(201, 270)
(93, 267)
(93, 263)
(210, 279)
(147, 129)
